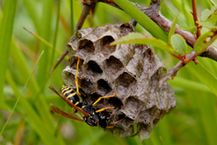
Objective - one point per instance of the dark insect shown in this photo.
(76, 99)
(91, 114)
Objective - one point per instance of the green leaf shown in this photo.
(204, 75)
(138, 38)
(205, 14)
(179, 44)
(141, 18)
(172, 29)
(209, 78)
(130, 39)
(187, 84)
(213, 17)
(209, 17)
(205, 40)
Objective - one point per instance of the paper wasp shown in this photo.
(92, 115)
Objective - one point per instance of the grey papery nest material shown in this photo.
(131, 71)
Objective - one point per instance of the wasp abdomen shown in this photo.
(71, 95)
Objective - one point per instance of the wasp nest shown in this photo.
(132, 72)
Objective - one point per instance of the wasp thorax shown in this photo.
(92, 120)
(132, 72)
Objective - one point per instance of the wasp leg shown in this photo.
(69, 102)
(76, 77)
(57, 110)
(105, 108)
(112, 125)
(103, 97)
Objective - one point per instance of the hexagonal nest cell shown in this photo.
(130, 71)
(86, 46)
(106, 48)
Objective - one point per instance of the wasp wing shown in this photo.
(70, 103)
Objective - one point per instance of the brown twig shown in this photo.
(196, 20)
(153, 13)
(173, 71)
(85, 11)
(88, 6)
(211, 53)
(165, 24)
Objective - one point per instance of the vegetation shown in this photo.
(33, 34)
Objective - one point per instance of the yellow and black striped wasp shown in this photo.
(91, 114)
(76, 99)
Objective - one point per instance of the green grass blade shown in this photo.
(41, 39)
(72, 15)
(21, 64)
(58, 5)
(45, 130)
(32, 12)
(6, 29)
(206, 77)
(31, 116)
(45, 32)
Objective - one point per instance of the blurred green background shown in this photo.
(26, 60)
